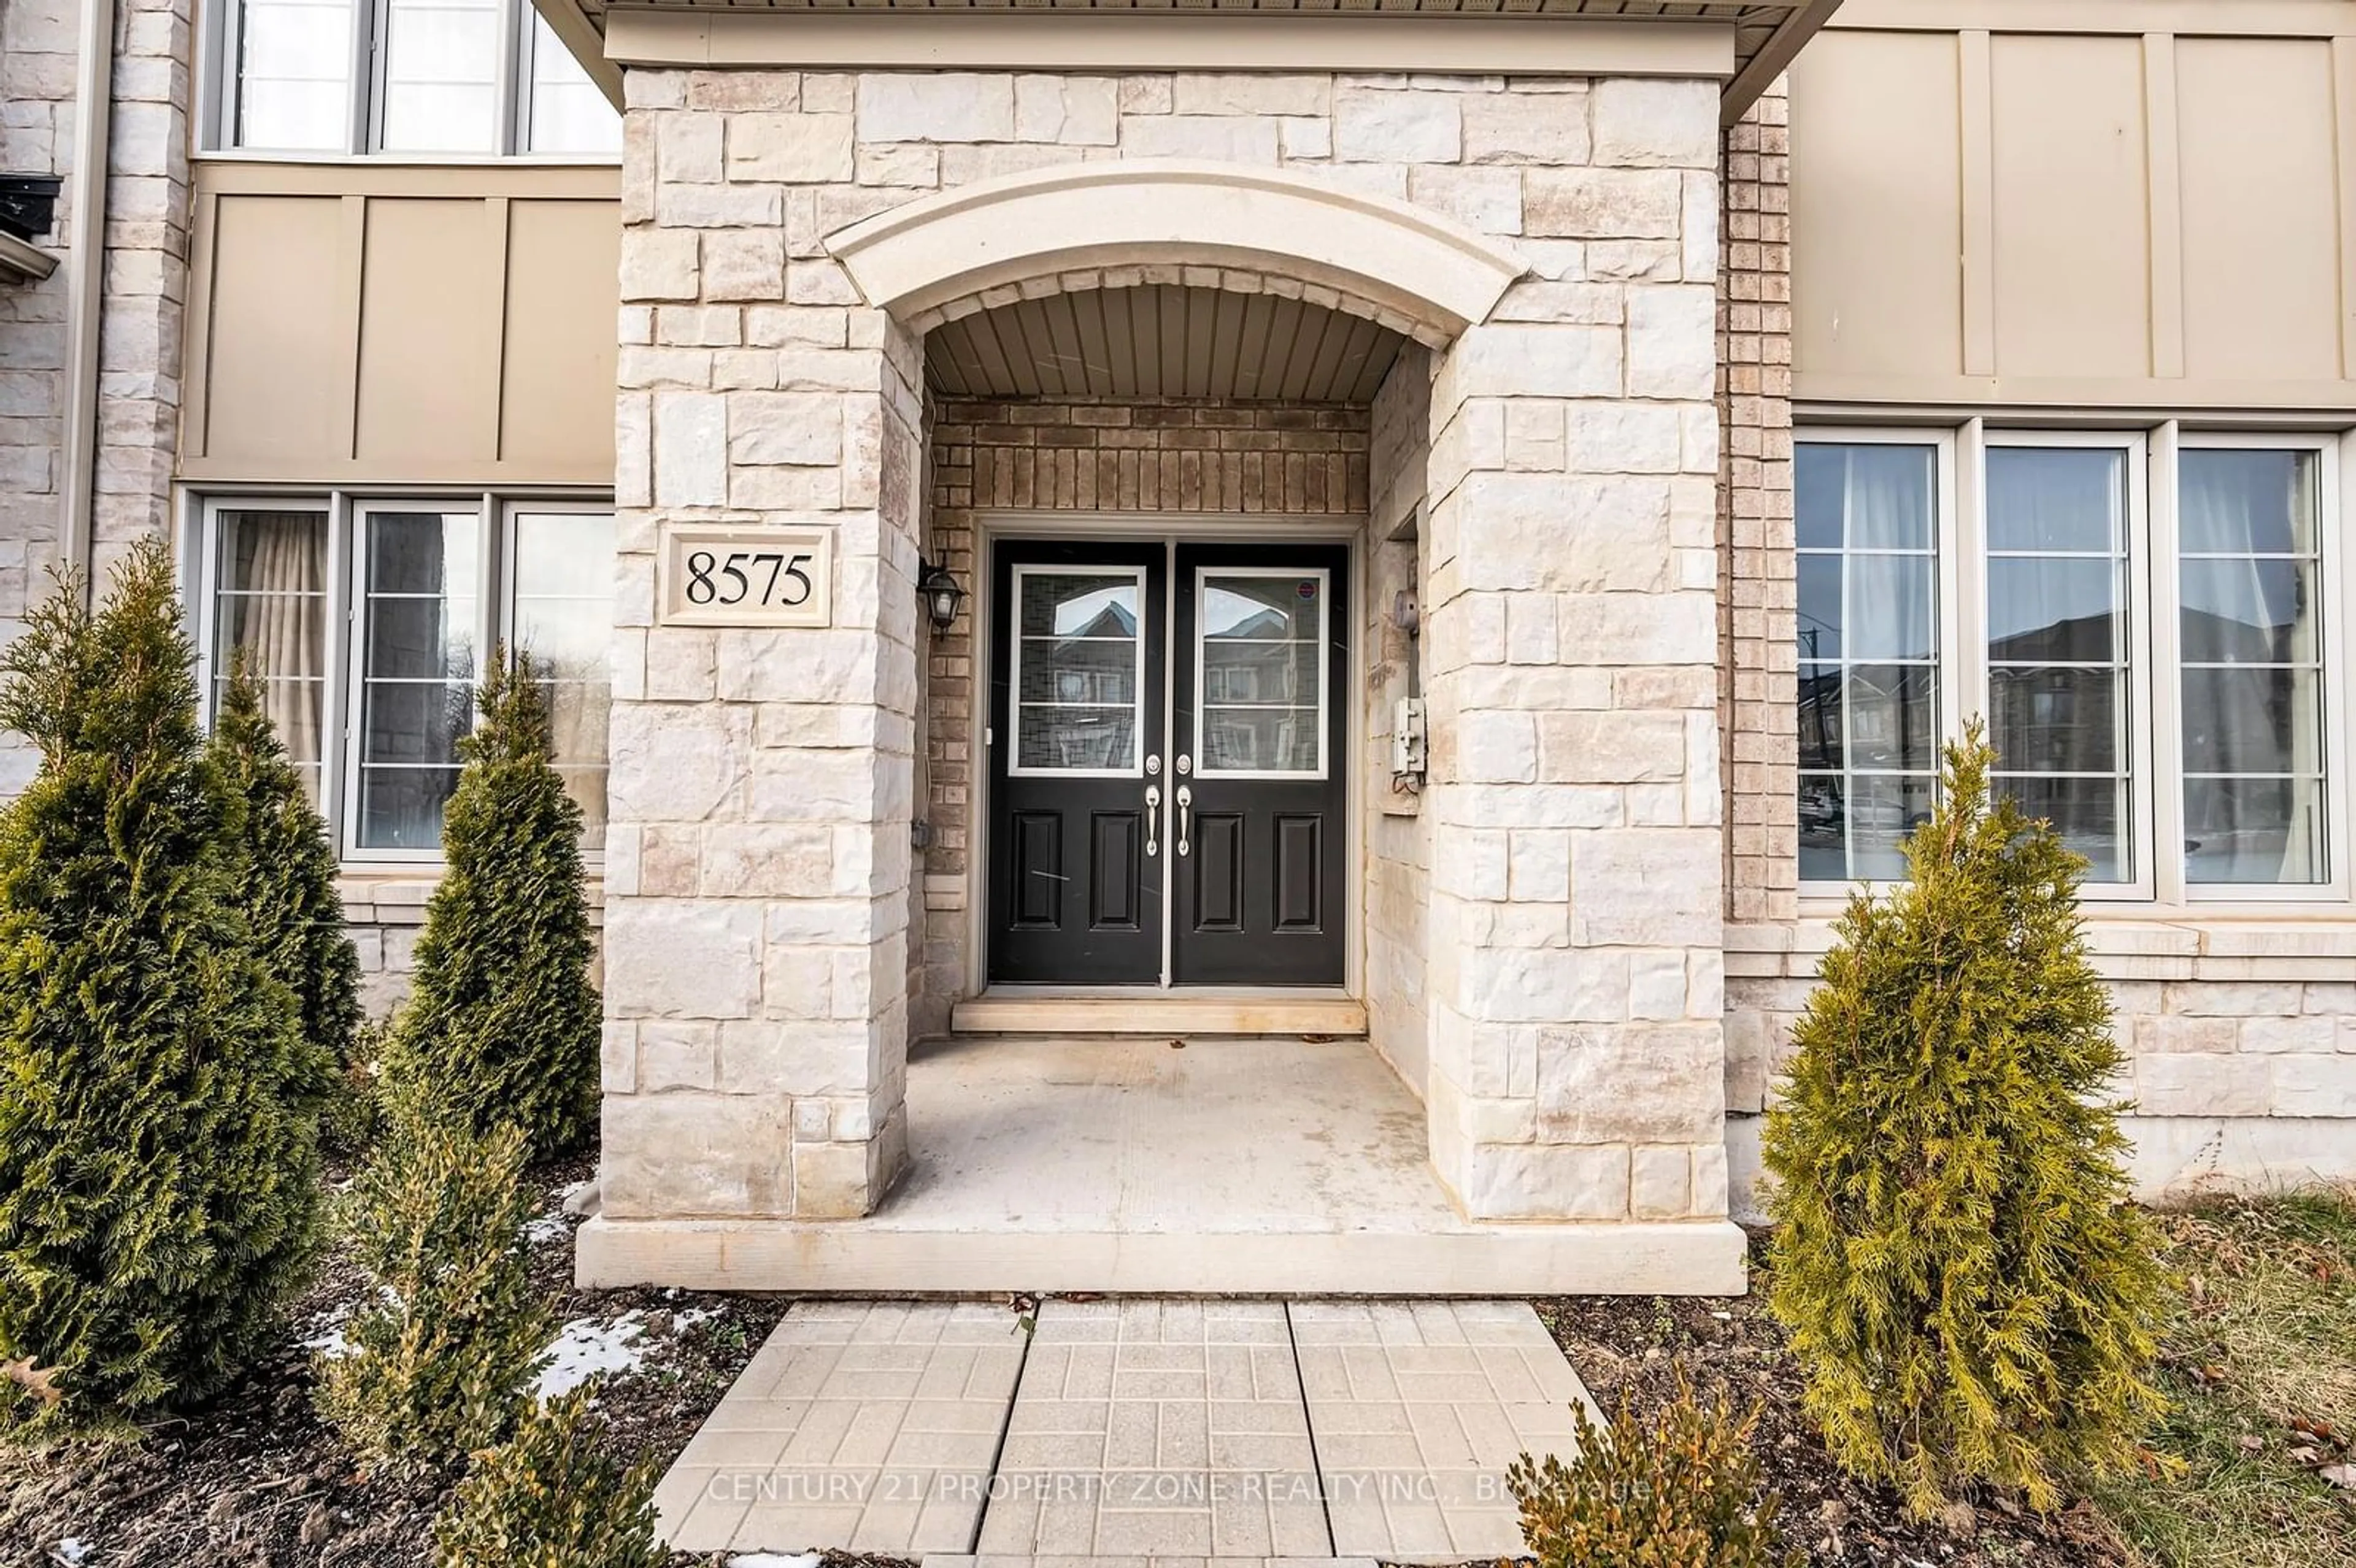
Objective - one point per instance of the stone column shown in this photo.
(1576, 976)
(759, 867)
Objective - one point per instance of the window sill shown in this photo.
(384, 895)
(418, 160)
(2141, 943)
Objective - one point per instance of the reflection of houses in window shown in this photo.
(1077, 709)
(2054, 706)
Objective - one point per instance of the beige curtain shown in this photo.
(281, 624)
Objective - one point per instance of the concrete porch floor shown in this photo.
(1241, 1166)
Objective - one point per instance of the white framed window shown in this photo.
(2148, 618)
(367, 618)
(1260, 638)
(1078, 674)
(419, 78)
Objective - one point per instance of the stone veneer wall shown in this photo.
(2241, 1035)
(1162, 456)
(1398, 909)
(143, 295)
(758, 873)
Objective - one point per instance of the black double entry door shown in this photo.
(1167, 763)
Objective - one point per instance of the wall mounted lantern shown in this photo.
(941, 595)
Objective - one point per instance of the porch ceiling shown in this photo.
(1161, 340)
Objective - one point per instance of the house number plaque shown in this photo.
(725, 575)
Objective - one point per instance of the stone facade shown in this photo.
(759, 878)
(142, 293)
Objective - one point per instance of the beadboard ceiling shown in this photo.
(1161, 340)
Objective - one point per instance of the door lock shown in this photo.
(1186, 763)
(1185, 800)
(1152, 811)
(1153, 765)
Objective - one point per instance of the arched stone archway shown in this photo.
(1411, 270)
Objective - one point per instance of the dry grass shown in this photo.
(2261, 1361)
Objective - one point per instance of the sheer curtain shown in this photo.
(2251, 649)
(275, 615)
(1869, 650)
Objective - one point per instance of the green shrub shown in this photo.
(1966, 1290)
(353, 1118)
(502, 1021)
(1674, 1489)
(159, 1186)
(437, 1364)
(549, 1498)
(283, 870)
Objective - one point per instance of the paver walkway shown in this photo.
(1147, 1433)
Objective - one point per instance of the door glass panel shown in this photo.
(1261, 645)
(1078, 671)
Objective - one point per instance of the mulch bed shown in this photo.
(257, 1480)
(1637, 1345)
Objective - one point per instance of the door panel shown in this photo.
(1216, 850)
(1038, 870)
(1075, 742)
(1300, 873)
(1263, 652)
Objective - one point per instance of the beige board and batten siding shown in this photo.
(359, 325)
(2103, 203)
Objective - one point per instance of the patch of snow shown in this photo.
(681, 1322)
(776, 1560)
(71, 1552)
(547, 1229)
(329, 1340)
(587, 1347)
(568, 1192)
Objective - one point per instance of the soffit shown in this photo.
(1159, 340)
(1757, 24)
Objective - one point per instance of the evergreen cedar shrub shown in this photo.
(502, 1021)
(548, 1498)
(159, 1184)
(436, 1366)
(1967, 1292)
(283, 872)
(1679, 1489)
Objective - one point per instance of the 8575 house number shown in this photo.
(709, 575)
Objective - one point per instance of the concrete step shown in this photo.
(1022, 1011)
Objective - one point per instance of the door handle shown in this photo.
(1152, 808)
(1185, 799)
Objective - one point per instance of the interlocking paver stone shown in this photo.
(1145, 1433)
(870, 1426)
(1152, 1429)
(1418, 1408)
